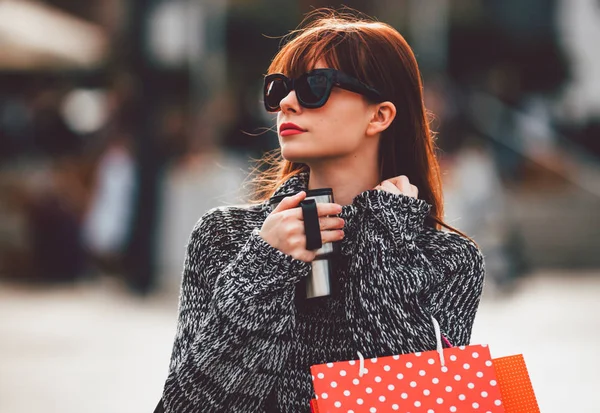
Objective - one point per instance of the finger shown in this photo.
(329, 236)
(290, 202)
(402, 183)
(323, 209)
(415, 191)
(390, 187)
(327, 208)
(326, 223)
(395, 180)
(405, 185)
(332, 236)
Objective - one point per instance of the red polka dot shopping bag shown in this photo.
(457, 379)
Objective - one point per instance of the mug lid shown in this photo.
(313, 192)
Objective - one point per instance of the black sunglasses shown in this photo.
(312, 88)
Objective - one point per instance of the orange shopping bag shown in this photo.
(458, 379)
(515, 385)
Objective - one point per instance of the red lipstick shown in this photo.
(288, 129)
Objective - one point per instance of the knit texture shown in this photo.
(244, 343)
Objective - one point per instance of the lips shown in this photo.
(288, 129)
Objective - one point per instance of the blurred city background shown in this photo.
(123, 121)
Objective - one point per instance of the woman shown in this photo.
(350, 117)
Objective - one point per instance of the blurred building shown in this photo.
(107, 106)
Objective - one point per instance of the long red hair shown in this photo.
(378, 55)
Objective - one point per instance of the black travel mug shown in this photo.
(321, 282)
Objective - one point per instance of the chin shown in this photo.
(295, 154)
(302, 154)
(295, 159)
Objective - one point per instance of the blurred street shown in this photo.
(123, 122)
(89, 348)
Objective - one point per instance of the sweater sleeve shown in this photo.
(455, 298)
(416, 273)
(235, 321)
(401, 216)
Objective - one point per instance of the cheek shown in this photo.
(345, 120)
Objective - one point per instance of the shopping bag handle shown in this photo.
(440, 348)
(438, 340)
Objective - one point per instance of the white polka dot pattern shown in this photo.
(412, 382)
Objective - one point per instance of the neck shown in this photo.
(348, 177)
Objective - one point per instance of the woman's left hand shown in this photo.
(399, 185)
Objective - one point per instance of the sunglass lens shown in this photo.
(275, 90)
(312, 88)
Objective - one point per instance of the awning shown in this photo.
(37, 36)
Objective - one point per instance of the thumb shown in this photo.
(290, 202)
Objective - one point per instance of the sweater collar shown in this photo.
(299, 182)
(294, 184)
(361, 204)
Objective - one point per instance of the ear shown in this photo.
(383, 115)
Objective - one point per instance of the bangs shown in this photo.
(340, 47)
(302, 54)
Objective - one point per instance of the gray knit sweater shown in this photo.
(245, 344)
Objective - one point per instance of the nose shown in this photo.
(290, 103)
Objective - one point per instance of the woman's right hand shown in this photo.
(284, 227)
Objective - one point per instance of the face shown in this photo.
(335, 130)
